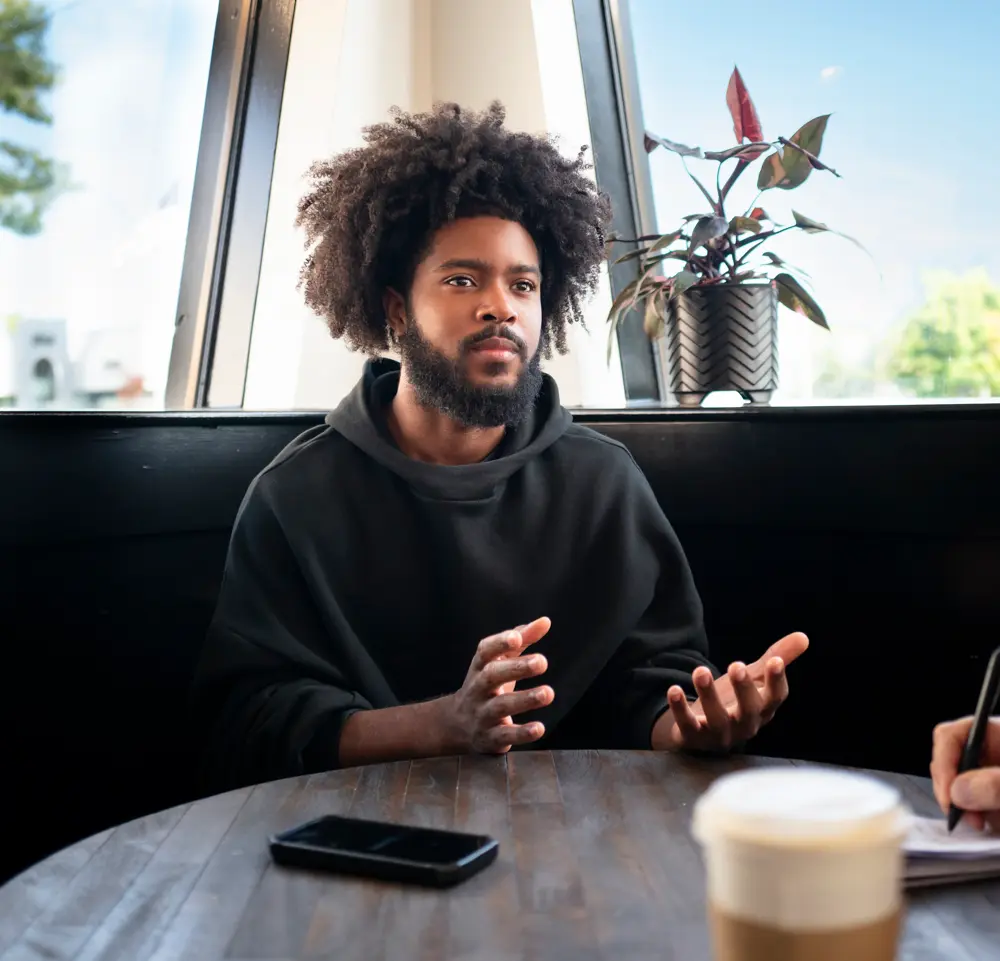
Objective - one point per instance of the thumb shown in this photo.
(977, 790)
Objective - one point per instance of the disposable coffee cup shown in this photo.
(802, 864)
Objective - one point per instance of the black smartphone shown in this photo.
(392, 852)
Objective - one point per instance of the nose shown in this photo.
(497, 306)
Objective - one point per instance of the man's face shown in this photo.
(470, 336)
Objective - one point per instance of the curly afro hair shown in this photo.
(371, 213)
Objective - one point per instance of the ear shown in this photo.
(395, 311)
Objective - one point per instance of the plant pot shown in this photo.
(723, 337)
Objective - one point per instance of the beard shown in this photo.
(443, 384)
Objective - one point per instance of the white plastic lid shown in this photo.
(800, 806)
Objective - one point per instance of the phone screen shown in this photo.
(423, 845)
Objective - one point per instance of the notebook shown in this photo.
(935, 857)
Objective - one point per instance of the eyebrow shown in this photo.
(474, 264)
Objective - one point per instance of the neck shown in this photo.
(433, 437)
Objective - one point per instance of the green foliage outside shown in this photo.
(28, 181)
(951, 346)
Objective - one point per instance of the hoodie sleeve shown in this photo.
(666, 643)
(268, 695)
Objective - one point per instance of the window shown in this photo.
(348, 63)
(98, 148)
(911, 133)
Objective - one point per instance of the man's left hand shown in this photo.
(733, 708)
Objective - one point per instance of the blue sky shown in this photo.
(915, 126)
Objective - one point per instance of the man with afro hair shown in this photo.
(449, 564)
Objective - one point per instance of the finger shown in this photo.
(775, 687)
(500, 672)
(497, 645)
(687, 724)
(974, 820)
(749, 702)
(503, 706)
(500, 739)
(716, 716)
(977, 790)
(532, 633)
(991, 742)
(949, 742)
(788, 649)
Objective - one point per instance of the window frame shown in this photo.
(232, 188)
(222, 258)
(621, 166)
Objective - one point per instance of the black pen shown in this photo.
(974, 743)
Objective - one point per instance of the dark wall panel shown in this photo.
(876, 532)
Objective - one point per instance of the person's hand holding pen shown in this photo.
(976, 792)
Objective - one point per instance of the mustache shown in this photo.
(500, 333)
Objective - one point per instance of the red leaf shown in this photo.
(746, 123)
(758, 214)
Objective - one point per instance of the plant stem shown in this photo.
(701, 186)
(757, 240)
(741, 165)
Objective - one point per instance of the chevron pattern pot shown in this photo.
(723, 337)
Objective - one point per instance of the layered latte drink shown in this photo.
(803, 864)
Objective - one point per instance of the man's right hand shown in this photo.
(976, 792)
(480, 715)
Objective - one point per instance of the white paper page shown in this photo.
(929, 838)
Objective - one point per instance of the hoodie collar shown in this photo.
(360, 414)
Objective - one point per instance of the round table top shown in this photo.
(596, 861)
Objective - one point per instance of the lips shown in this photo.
(496, 345)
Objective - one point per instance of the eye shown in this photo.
(460, 281)
(525, 286)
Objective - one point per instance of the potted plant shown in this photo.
(718, 313)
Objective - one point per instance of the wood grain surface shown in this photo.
(596, 861)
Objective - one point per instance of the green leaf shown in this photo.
(797, 165)
(612, 329)
(631, 255)
(652, 141)
(706, 230)
(778, 262)
(815, 227)
(745, 151)
(795, 297)
(623, 295)
(809, 225)
(704, 191)
(652, 321)
(771, 172)
(744, 225)
(664, 241)
(626, 299)
(681, 282)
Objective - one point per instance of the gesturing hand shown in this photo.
(481, 713)
(732, 709)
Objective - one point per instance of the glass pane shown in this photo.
(98, 147)
(909, 87)
(349, 63)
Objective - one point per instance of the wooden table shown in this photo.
(596, 861)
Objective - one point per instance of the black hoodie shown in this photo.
(360, 578)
